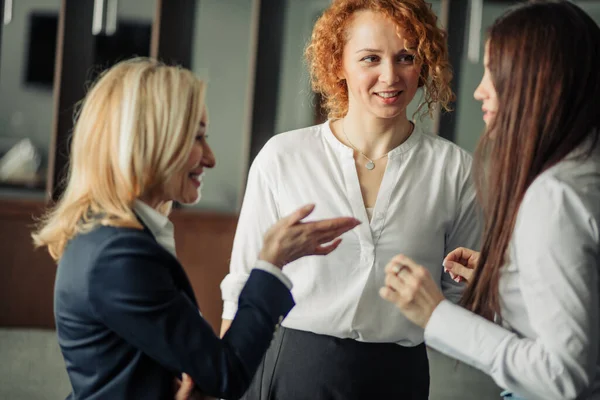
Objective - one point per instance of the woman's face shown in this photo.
(184, 187)
(486, 92)
(382, 76)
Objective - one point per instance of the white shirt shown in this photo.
(548, 347)
(158, 224)
(163, 231)
(425, 208)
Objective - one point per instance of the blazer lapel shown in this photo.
(177, 271)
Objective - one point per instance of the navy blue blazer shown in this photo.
(128, 322)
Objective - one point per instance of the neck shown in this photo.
(153, 202)
(373, 136)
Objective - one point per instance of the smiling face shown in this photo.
(381, 74)
(486, 92)
(185, 185)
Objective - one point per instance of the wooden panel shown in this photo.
(26, 276)
(204, 243)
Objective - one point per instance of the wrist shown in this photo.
(270, 259)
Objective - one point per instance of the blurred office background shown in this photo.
(251, 54)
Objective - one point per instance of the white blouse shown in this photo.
(548, 347)
(425, 208)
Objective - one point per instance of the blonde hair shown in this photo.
(135, 128)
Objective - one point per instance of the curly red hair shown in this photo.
(414, 17)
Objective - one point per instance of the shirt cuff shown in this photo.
(273, 270)
(465, 336)
(229, 309)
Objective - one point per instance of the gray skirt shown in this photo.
(303, 365)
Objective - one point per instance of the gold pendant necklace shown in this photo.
(370, 163)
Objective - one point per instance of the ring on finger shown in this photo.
(397, 269)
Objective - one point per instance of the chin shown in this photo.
(191, 198)
(389, 114)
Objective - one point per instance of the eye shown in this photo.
(201, 137)
(370, 59)
(406, 58)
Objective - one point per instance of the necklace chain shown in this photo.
(370, 162)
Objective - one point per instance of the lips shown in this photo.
(196, 177)
(487, 114)
(388, 94)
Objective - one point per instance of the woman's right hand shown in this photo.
(290, 239)
(460, 263)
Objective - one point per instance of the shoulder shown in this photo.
(566, 196)
(291, 143)
(444, 160)
(105, 243)
(445, 149)
(566, 182)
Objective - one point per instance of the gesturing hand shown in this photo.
(412, 289)
(460, 263)
(290, 239)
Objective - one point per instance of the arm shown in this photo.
(259, 212)
(132, 292)
(465, 231)
(556, 251)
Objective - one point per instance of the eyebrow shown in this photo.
(370, 50)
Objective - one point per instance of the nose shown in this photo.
(389, 74)
(479, 93)
(208, 157)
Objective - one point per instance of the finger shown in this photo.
(457, 269)
(332, 224)
(176, 384)
(396, 282)
(388, 294)
(393, 267)
(390, 277)
(399, 261)
(298, 215)
(185, 389)
(458, 254)
(455, 278)
(326, 249)
(327, 237)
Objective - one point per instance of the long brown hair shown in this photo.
(544, 59)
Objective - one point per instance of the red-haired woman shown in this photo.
(413, 192)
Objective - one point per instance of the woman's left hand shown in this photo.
(411, 288)
(186, 390)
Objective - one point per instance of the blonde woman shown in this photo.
(126, 316)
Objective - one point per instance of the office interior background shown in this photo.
(251, 54)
